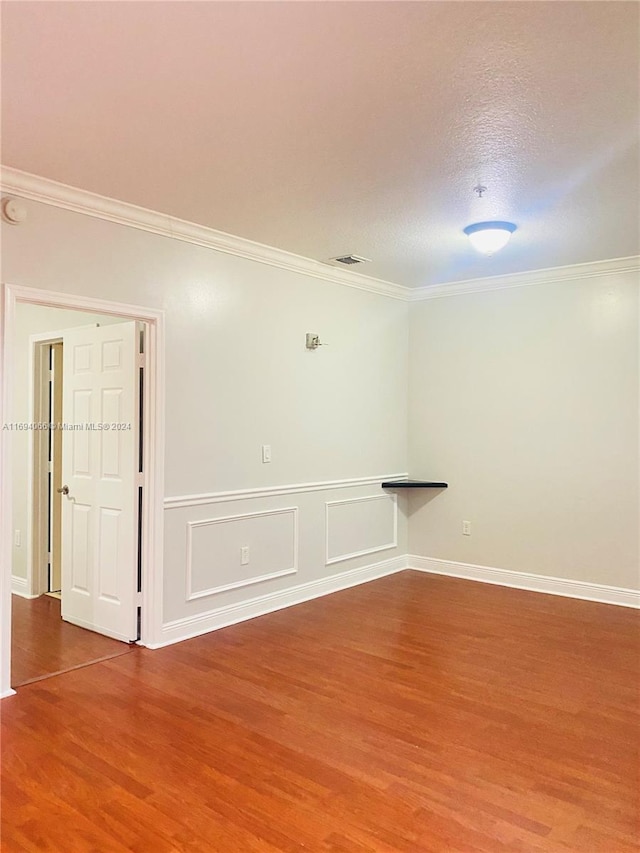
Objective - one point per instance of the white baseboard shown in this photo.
(6, 693)
(524, 580)
(194, 626)
(19, 587)
(212, 620)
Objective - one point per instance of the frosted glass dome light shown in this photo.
(489, 237)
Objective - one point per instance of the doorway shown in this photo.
(60, 511)
(85, 538)
(41, 644)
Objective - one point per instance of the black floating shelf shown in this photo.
(413, 484)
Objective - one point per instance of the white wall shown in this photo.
(525, 401)
(239, 376)
(31, 320)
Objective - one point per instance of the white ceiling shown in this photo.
(325, 128)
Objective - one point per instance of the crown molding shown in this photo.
(551, 275)
(43, 190)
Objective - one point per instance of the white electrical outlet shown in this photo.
(466, 528)
(244, 555)
(266, 453)
(17, 538)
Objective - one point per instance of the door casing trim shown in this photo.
(154, 434)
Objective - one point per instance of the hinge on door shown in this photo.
(138, 599)
(139, 478)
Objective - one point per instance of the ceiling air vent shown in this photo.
(349, 260)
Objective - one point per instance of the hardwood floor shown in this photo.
(42, 644)
(414, 713)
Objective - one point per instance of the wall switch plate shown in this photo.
(466, 528)
(266, 453)
(17, 538)
(244, 555)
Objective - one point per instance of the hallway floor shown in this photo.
(43, 645)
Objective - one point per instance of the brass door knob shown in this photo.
(64, 490)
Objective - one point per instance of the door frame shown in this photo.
(153, 505)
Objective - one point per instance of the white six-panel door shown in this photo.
(99, 467)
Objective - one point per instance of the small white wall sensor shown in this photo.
(14, 210)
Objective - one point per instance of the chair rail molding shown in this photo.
(275, 491)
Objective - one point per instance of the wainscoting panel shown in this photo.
(215, 546)
(358, 526)
(302, 538)
(220, 617)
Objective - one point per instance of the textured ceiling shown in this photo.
(326, 128)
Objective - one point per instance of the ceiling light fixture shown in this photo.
(489, 237)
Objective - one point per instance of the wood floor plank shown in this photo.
(415, 713)
(42, 644)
